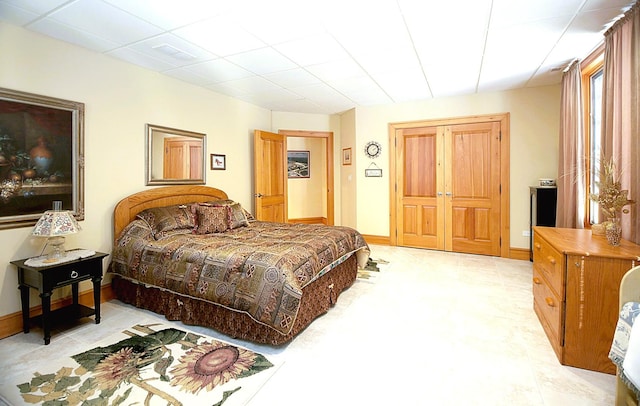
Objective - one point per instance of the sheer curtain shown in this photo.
(570, 210)
(621, 118)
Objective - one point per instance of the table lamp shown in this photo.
(55, 224)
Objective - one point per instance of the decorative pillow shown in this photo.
(211, 219)
(236, 214)
(168, 220)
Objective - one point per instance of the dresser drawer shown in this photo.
(549, 305)
(550, 263)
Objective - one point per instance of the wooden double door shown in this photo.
(448, 192)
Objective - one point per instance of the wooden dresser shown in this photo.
(576, 280)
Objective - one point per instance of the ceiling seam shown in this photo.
(484, 47)
(413, 46)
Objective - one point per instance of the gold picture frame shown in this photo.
(346, 156)
(41, 157)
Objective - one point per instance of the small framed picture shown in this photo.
(346, 156)
(218, 162)
(298, 164)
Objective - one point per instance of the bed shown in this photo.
(192, 254)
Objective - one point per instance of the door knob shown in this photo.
(258, 195)
(449, 194)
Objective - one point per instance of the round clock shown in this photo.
(372, 149)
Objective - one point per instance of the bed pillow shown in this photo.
(168, 220)
(236, 216)
(235, 213)
(210, 219)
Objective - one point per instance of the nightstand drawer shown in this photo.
(550, 263)
(67, 275)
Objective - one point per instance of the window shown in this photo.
(592, 88)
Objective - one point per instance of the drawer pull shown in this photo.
(550, 302)
(537, 281)
(551, 260)
(74, 274)
(538, 245)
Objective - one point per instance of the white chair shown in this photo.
(629, 292)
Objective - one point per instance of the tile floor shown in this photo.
(431, 328)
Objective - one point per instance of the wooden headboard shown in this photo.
(127, 209)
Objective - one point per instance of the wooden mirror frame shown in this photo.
(157, 149)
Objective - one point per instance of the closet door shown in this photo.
(448, 187)
(472, 188)
(420, 207)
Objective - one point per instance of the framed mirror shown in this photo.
(174, 157)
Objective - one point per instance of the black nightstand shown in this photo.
(47, 278)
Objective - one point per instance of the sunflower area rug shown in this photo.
(149, 365)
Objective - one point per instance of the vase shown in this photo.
(41, 156)
(614, 231)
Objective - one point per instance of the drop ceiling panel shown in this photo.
(103, 20)
(72, 35)
(312, 50)
(172, 50)
(263, 61)
(216, 71)
(171, 14)
(220, 36)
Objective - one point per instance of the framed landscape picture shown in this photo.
(298, 164)
(41, 157)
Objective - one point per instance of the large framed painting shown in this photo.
(41, 157)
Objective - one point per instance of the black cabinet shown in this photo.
(542, 210)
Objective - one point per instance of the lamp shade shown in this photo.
(56, 223)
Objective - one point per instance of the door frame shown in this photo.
(328, 135)
(395, 173)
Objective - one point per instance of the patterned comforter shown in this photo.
(260, 269)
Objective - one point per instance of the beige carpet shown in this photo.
(150, 364)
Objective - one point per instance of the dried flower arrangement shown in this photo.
(611, 199)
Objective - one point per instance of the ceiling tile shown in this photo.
(336, 70)
(263, 61)
(65, 33)
(509, 12)
(33, 6)
(140, 59)
(253, 84)
(220, 36)
(218, 70)
(171, 14)
(16, 15)
(312, 50)
(100, 19)
(404, 85)
(293, 78)
(172, 50)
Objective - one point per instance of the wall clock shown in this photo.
(372, 149)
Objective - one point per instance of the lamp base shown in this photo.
(57, 249)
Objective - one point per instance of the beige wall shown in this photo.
(534, 115)
(348, 187)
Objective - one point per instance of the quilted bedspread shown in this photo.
(260, 269)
